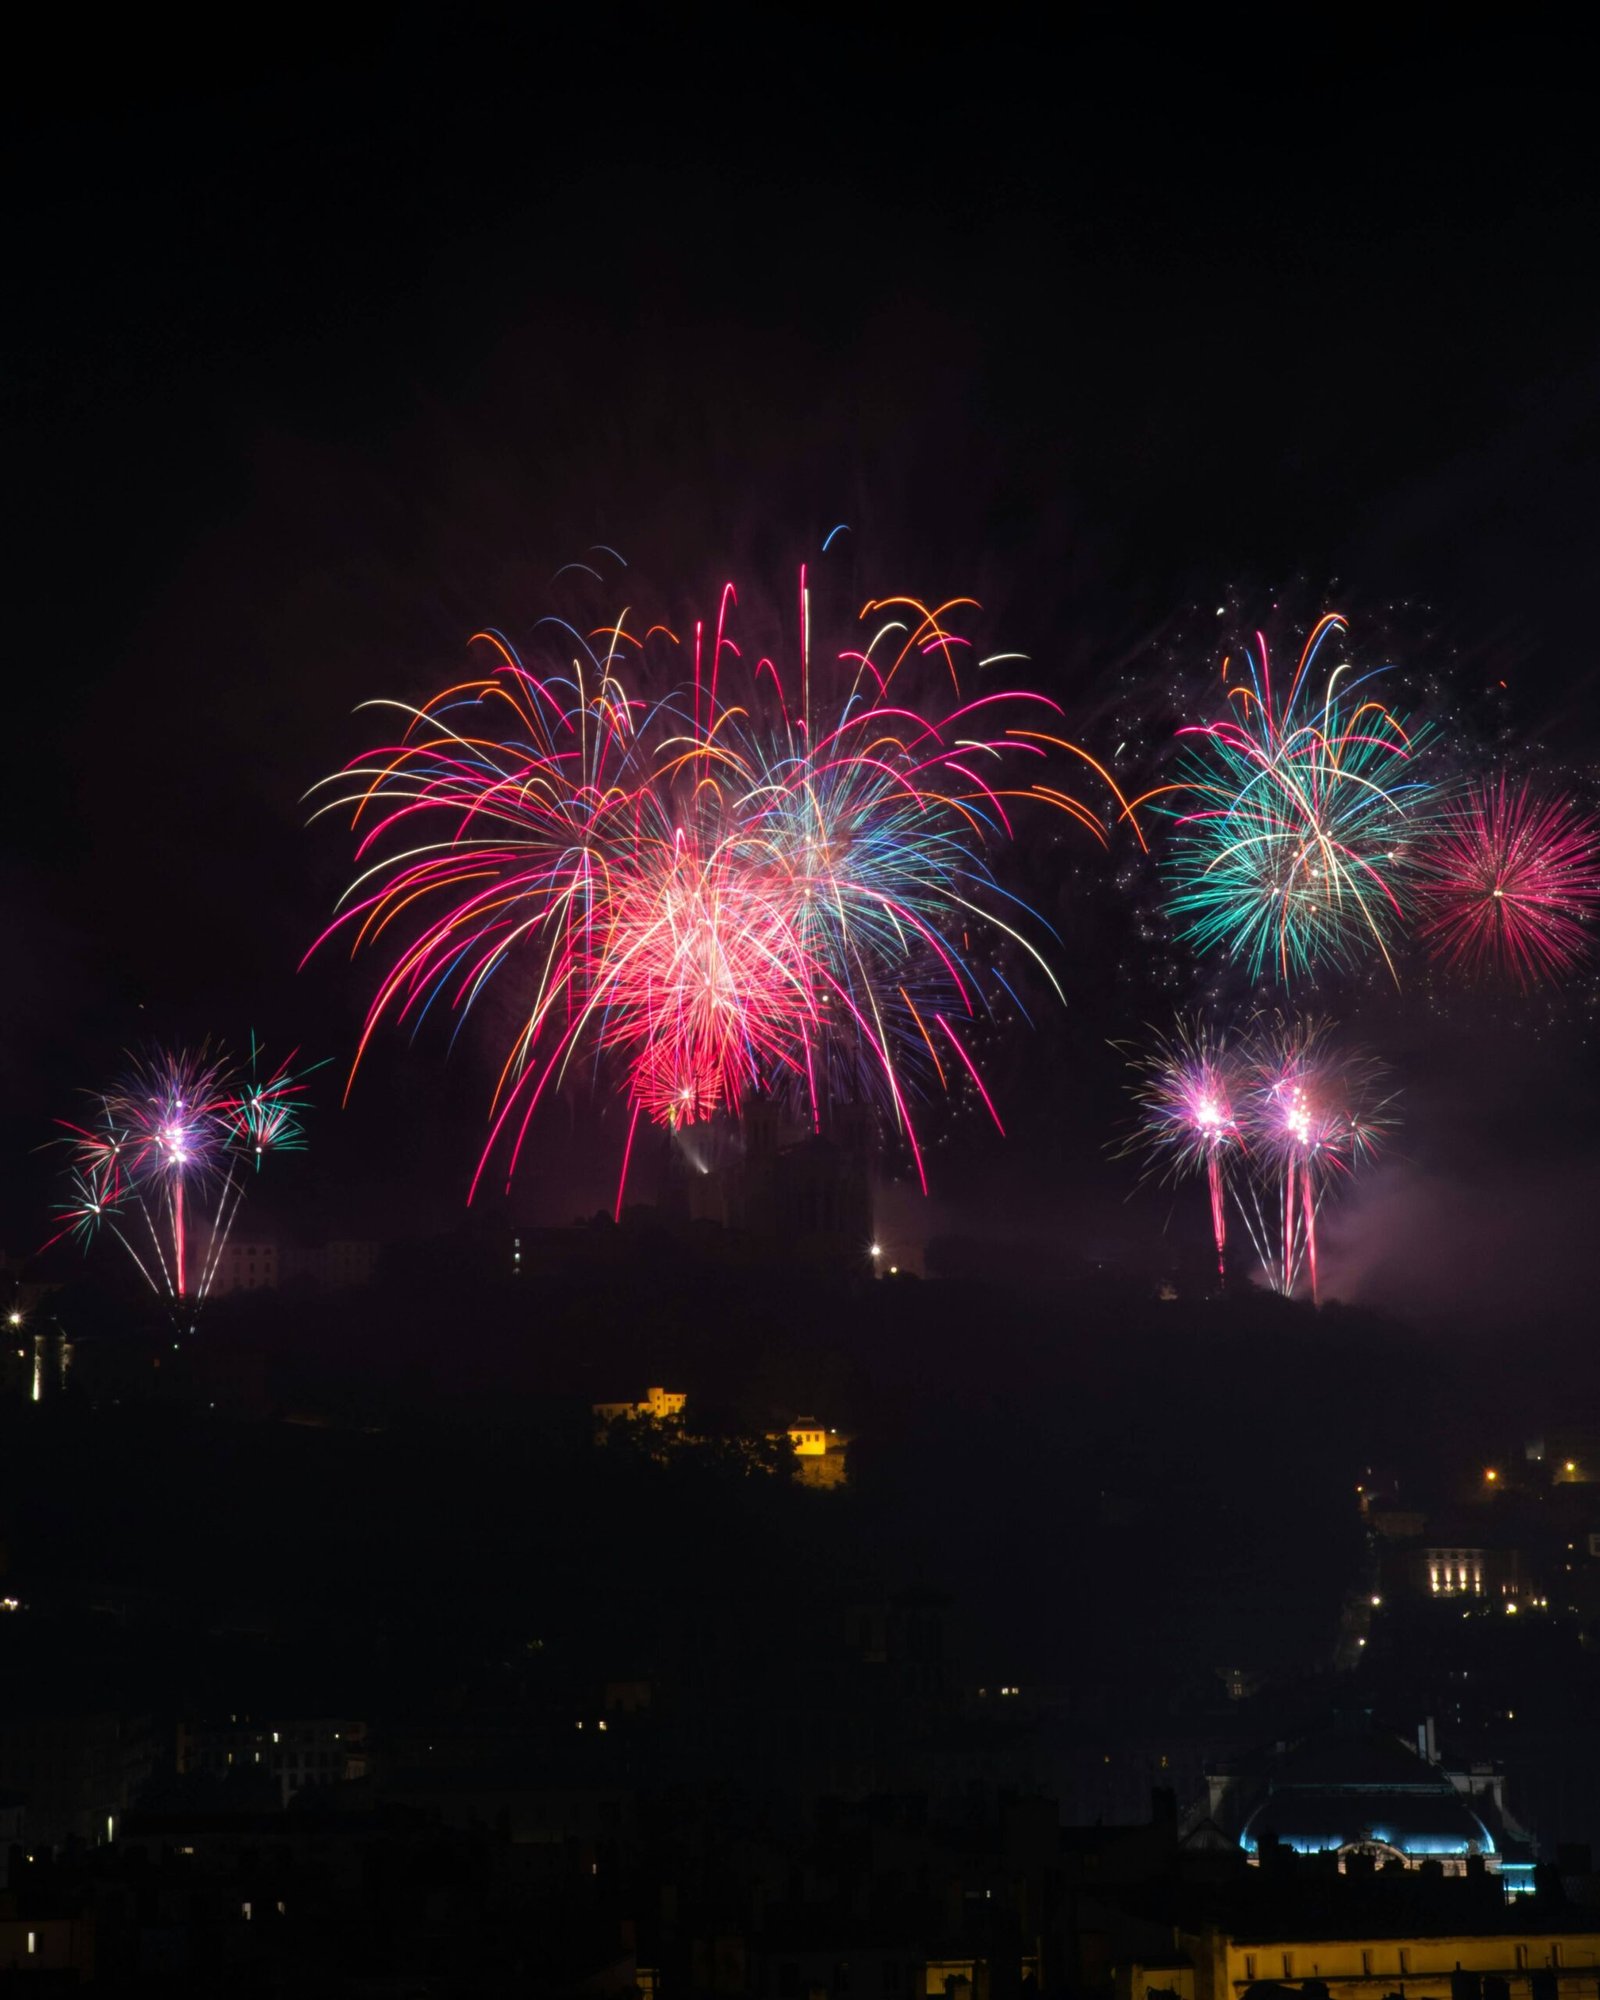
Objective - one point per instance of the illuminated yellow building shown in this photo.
(821, 1453)
(658, 1403)
(1216, 1964)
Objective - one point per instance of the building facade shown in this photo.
(1217, 1963)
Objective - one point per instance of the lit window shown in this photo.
(33, 1941)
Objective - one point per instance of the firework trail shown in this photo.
(1510, 881)
(705, 874)
(157, 1161)
(1295, 815)
(1187, 1085)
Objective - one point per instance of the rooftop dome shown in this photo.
(1366, 1793)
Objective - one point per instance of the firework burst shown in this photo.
(1273, 1118)
(703, 876)
(156, 1162)
(1510, 883)
(1314, 1112)
(1187, 1087)
(1294, 817)
(267, 1113)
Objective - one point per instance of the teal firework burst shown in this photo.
(1295, 820)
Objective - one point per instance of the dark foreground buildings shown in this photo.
(360, 1648)
(551, 1886)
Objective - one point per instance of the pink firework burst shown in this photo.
(1316, 1113)
(1510, 883)
(1187, 1086)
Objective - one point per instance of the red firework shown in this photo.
(696, 973)
(1510, 883)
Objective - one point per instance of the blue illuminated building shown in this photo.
(1369, 1798)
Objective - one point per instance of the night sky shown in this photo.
(329, 345)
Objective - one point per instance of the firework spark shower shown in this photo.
(710, 873)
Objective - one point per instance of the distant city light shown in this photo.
(1491, 1475)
